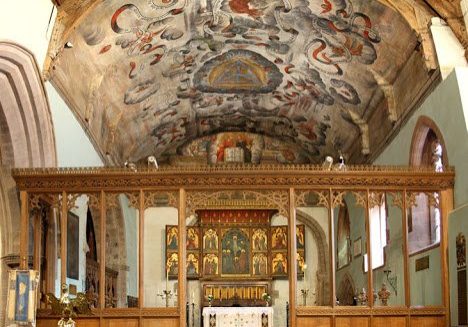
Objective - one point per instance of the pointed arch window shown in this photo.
(427, 150)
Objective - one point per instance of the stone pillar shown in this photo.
(450, 53)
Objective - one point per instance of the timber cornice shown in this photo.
(231, 177)
(117, 313)
(366, 311)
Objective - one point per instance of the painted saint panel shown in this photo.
(193, 265)
(260, 264)
(193, 238)
(279, 264)
(210, 264)
(172, 237)
(259, 239)
(300, 244)
(172, 263)
(235, 252)
(279, 239)
(210, 240)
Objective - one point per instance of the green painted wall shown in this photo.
(447, 106)
(393, 252)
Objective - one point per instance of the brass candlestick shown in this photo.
(304, 293)
(166, 295)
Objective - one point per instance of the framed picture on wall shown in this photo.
(73, 244)
(357, 247)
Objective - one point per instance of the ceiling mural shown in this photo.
(155, 74)
(240, 147)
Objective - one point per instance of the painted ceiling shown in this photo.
(147, 77)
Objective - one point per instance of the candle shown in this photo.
(304, 268)
(193, 296)
(167, 279)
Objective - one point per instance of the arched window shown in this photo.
(378, 230)
(427, 150)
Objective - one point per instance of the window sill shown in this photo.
(425, 249)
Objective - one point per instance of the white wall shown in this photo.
(155, 223)
(74, 148)
(320, 215)
(25, 23)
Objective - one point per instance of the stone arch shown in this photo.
(346, 290)
(26, 140)
(424, 218)
(116, 254)
(423, 127)
(27, 135)
(25, 108)
(323, 271)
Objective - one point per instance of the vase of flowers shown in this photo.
(267, 298)
(210, 299)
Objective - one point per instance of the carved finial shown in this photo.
(152, 162)
(130, 165)
(327, 164)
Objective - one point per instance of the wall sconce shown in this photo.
(392, 280)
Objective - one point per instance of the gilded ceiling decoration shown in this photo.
(150, 76)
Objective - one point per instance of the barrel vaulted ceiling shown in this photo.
(147, 77)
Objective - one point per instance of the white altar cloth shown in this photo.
(238, 317)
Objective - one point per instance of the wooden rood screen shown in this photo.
(285, 189)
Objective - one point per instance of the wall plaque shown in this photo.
(422, 263)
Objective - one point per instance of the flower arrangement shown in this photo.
(266, 297)
(210, 298)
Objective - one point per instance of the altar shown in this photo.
(238, 317)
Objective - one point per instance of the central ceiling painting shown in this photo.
(154, 75)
